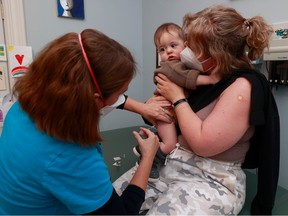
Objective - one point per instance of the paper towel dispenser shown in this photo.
(278, 46)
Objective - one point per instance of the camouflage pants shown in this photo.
(192, 185)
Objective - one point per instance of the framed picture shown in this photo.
(71, 9)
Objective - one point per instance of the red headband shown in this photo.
(90, 69)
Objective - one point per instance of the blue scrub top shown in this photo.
(42, 175)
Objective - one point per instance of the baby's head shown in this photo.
(169, 40)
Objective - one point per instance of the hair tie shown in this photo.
(247, 23)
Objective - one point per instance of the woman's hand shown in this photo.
(168, 89)
(156, 109)
(159, 100)
(153, 110)
(148, 143)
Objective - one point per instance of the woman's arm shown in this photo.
(128, 203)
(222, 128)
(148, 147)
(133, 196)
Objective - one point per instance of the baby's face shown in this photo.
(170, 46)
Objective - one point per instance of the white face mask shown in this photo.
(107, 109)
(189, 59)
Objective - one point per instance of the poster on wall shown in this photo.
(19, 58)
(71, 8)
(2, 79)
(3, 53)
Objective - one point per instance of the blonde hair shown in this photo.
(222, 33)
(57, 92)
(168, 27)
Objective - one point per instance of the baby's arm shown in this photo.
(167, 132)
(206, 79)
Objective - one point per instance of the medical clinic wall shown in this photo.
(133, 22)
(155, 12)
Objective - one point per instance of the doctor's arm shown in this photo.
(129, 203)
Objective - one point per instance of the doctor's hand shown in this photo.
(168, 89)
(148, 143)
(156, 109)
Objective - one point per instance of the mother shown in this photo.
(219, 123)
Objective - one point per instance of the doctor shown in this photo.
(51, 160)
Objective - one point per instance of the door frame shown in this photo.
(14, 22)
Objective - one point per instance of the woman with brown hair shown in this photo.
(223, 127)
(51, 160)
